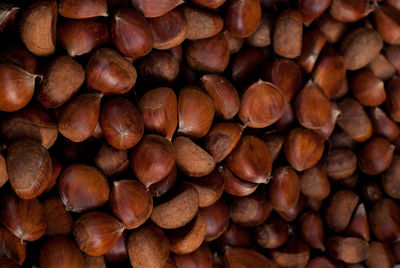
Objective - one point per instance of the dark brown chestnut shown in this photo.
(347, 249)
(359, 226)
(273, 233)
(383, 125)
(11, 246)
(235, 186)
(381, 67)
(209, 188)
(119, 252)
(331, 28)
(340, 163)
(312, 229)
(243, 257)
(349, 10)
(158, 66)
(384, 220)
(314, 183)
(216, 219)
(390, 179)
(155, 8)
(201, 24)
(59, 221)
(311, 10)
(367, 88)
(293, 253)
(340, 208)
(112, 162)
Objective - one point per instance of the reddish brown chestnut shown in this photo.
(249, 211)
(273, 233)
(160, 111)
(216, 219)
(121, 123)
(60, 252)
(109, 72)
(59, 221)
(261, 105)
(152, 159)
(303, 148)
(155, 8)
(242, 17)
(82, 188)
(130, 202)
(375, 156)
(111, 161)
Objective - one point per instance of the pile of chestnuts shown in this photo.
(199, 133)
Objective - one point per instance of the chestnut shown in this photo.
(212, 4)
(177, 209)
(271, 234)
(278, 72)
(340, 208)
(79, 37)
(242, 17)
(16, 87)
(311, 10)
(63, 77)
(216, 219)
(96, 232)
(356, 55)
(148, 246)
(25, 218)
(288, 26)
(313, 109)
(359, 226)
(11, 246)
(223, 93)
(162, 187)
(201, 257)
(209, 188)
(60, 252)
(152, 159)
(246, 65)
(235, 186)
(222, 139)
(367, 88)
(158, 66)
(393, 98)
(29, 168)
(32, 122)
(329, 72)
(195, 112)
(94, 261)
(347, 249)
(3, 171)
(383, 125)
(169, 30)
(390, 179)
(348, 10)
(293, 253)
(159, 110)
(119, 252)
(37, 27)
(201, 24)
(112, 162)
(303, 148)
(59, 221)
(261, 105)
(251, 160)
(234, 43)
(380, 255)
(284, 189)
(121, 123)
(292, 213)
(131, 33)
(235, 236)
(155, 8)
(109, 72)
(262, 36)
(19, 56)
(331, 28)
(392, 53)
(8, 12)
(371, 192)
(77, 119)
(322, 261)
(381, 67)
(243, 257)
(375, 156)
(314, 183)
(384, 220)
(354, 120)
(130, 202)
(191, 159)
(188, 238)
(82, 9)
(249, 211)
(210, 55)
(83, 187)
(312, 229)
(340, 163)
